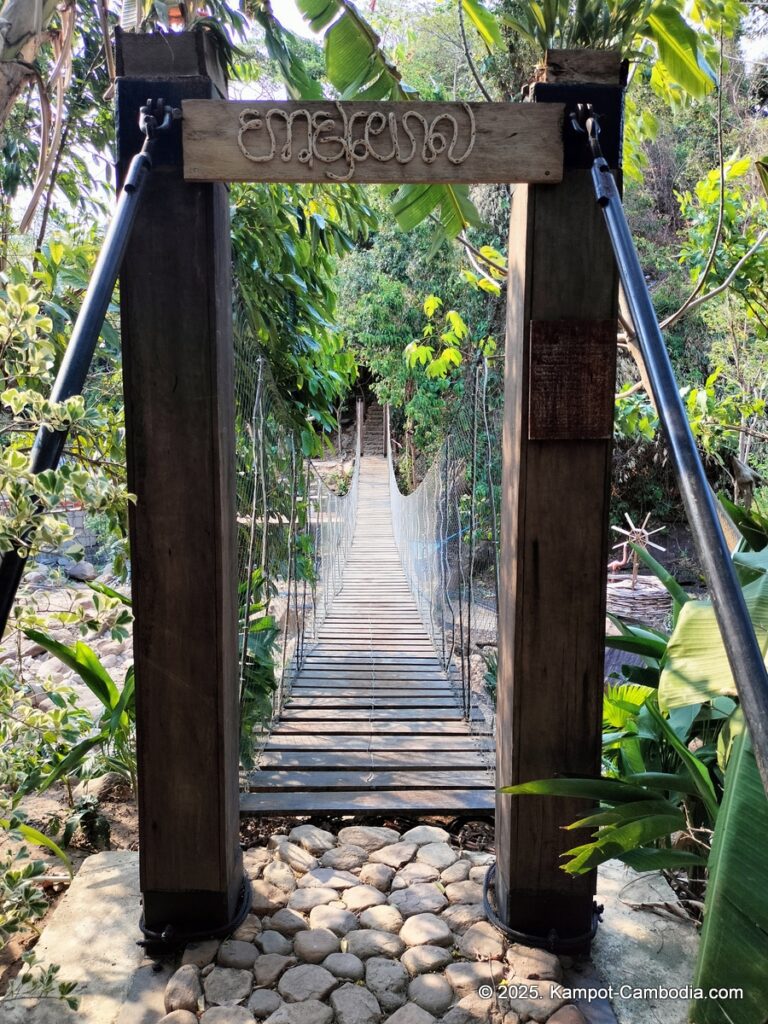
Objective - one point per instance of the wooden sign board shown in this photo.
(372, 143)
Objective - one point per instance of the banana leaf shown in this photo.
(734, 941)
(695, 668)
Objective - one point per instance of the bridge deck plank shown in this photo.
(373, 724)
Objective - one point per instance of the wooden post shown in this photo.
(559, 388)
(175, 291)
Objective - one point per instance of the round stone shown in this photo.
(234, 953)
(437, 855)
(287, 922)
(431, 992)
(179, 1017)
(303, 900)
(227, 1015)
(311, 1011)
(378, 875)
(360, 897)
(346, 858)
(254, 861)
(266, 898)
(388, 980)
(413, 873)
(395, 856)
(263, 1002)
(464, 892)
(345, 966)
(268, 968)
(457, 872)
(307, 981)
(477, 874)
(421, 898)
(384, 917)
(465, 978)
(202, 953)
(461, 916)
(354, 1004)
(411, 1014)
(366, 942)
(314, 945)
(426, 929)
(423, 834)
(536, 964)
(481, 942)
(226, 986)
(279, 874)
(273, 942)
(183, 989)
(313, 839)
(248, 930)
(424, 959)
(295, 857)
(327, 878)
(335, 919)
(368, 836)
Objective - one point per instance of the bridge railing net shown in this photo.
(447, 534)
(293, 536)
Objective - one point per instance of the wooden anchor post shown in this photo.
(559, 388)
(176, 296)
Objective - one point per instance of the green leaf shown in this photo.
(696, 769)
(484, 22)
(651, 649)
(624, 812)
(761, 166)
(679, 51)
(615, 842)
(733, 950)
(33, 835)
(413, 203)
(696, 667)
(85, 662)
(71, 762)
(652, 859)
(586, 788)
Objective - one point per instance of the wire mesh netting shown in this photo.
(447, 533)
(293, 537)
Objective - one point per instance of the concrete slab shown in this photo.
(640, 948)
(92, 935)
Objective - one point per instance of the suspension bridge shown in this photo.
(373, 721)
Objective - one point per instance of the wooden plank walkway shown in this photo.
(373, 724)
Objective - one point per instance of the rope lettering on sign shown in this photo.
(360, 136)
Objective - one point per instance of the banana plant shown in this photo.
(734, 939)
(358, 69)
(657, 789)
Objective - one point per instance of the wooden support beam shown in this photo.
(175, 291)
(562, 313)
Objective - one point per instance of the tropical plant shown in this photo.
(257, 641)
(114, 739)
(86, 818)
(734, 938)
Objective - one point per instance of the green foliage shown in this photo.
(88, 819)
(624, 24)
(258, 638)
(734, 938)
(38, 982)
(287, 242)
(114, 738)
(34, 738)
